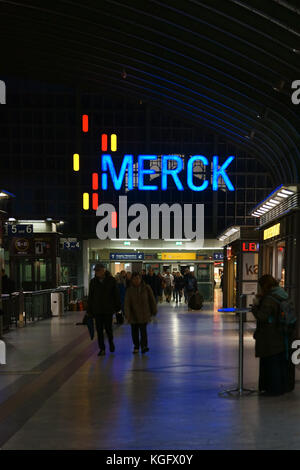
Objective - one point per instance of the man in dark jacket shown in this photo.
(190, 285)
(103, 302)
(154, 282)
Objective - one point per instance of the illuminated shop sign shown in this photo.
(272, 232)
(250, 246)
(178, 256)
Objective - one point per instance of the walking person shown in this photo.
(185, 276)
(168, 282)
(190, 285)
(140, 306)
(154, 282)
(178, 286)
(161, 287)
(103, 302)
(272, 341)
(121, 281)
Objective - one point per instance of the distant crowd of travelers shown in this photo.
(134, 297)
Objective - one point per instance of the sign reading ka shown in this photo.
(107, 166)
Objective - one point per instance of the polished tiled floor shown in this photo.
(56, 393)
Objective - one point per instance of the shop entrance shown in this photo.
(274, 261)
(116, 267)
(33, 274)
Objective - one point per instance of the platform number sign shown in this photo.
(71, 245)
(20, 229)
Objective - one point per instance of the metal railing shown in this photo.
(20, 308)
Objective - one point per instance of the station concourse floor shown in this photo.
(56, 393)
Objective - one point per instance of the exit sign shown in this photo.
(250, 246)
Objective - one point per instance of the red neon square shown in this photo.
(95, 201)
(85, 123)
(104, 142)
(95, 182)
(114, 220)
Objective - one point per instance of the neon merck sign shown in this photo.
(144, 173)
(218, 171)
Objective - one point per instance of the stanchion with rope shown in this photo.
(240, 390)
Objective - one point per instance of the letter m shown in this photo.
(165, 211)
(2, 92)
(108, 165)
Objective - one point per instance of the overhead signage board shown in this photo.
(71, 245)
(178, 256)
(218, 256)
(20, 229)
(126, 256)
(272, 231)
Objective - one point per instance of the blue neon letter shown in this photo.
(107, 164)
(221, 172)
(142, 172)
(173, 172)
(190, 165)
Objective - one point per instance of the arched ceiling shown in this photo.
(224, 64)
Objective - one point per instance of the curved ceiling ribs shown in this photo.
(225, 65)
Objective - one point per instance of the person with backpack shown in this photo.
(154, 282)
(274, 332)
(140, 306)
(196, 301)
(178, 286)
(190, 285)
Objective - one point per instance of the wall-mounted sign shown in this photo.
(249, 288)
(20, 229)
(126, 256)
(272, 231)
(178, 256)
(71, 245)
(218, 256)
(151, 256)
(21, 246)
(229, 253)
(250, 246)
(250, 266)
(42, 247)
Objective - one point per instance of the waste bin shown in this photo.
(57, 304)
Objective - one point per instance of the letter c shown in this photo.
(190, 164)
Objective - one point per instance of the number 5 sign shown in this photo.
(20, 230)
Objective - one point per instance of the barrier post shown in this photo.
(239, 390)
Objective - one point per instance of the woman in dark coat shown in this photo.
(140, 306)
(276, 372)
